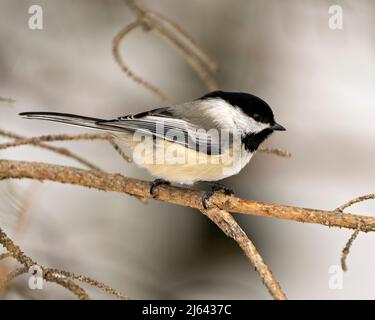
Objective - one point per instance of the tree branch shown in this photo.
(178, 195)
(171, 32)
(220, 204)
(230, 227)
(61, 277)
(62, 151)
(349, 243)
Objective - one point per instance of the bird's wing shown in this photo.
(187, 124)
(204, 124)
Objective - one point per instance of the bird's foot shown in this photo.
(215, 186)
(156, 183)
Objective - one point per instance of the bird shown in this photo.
(203, 140)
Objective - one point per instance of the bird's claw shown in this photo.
(156, 183)
(214, 188)
(220, 187)
(206, 196)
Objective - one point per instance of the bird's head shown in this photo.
(251, 115)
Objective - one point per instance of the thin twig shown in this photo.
(38, 141)
(51, 138)
(225, 221)
(354, 201)
(15, 251)
(275, 151)
(89, 281)
(126, 69)
(346, 250)
(141, 12)
(349, 243)
(199, 51)
(203, 73)
(176, 36)
(61, 151)
(119, 151)
(23, 218)
(68, 284)
(60, 277)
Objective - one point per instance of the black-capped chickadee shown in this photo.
(207, 139)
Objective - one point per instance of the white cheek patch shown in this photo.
(252, 126)
(244, 123)
(230, 117)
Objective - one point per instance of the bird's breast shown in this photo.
(176, 163)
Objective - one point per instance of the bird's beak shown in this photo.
(277, 127)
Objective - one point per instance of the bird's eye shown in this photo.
(256, 116)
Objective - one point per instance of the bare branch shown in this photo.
(275, 151)
(60, 277)
(15, 251)
(89, 281)
(119, 151)
(141, 12)
(61, 151)
(346, 250)
(170, 31)
(230, 227)
(349, 243)
(200, 69)
(355, 200)
(126, 69)
(38, 141)
(50, 138)
(199, 51)
(68, 284)
(23, 218)
(177, 195)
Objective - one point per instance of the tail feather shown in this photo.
(67, 118)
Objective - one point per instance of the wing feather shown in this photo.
(187, 124)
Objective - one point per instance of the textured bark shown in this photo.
(230, 227)
(220, 205)
(177, 195)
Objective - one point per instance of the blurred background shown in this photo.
(319, 82)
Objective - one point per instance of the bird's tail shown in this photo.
(67, 118)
